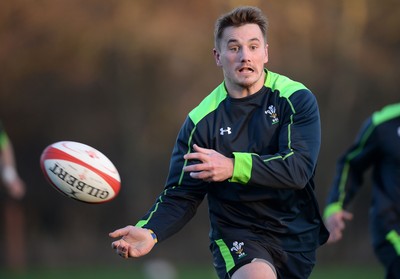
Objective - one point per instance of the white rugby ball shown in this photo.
(80, 172)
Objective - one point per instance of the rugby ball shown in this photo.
(80, 172)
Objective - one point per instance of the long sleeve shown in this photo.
(178, 203)
(351, 167)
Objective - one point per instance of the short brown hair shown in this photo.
(238, 17)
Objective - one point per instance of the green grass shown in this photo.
(104, 273)
(137, 272)
(348, 272)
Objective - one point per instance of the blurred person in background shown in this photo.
(377, 146)
(13, 212)
(251, 147)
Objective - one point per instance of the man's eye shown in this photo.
(234, 49)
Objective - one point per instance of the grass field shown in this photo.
(348, 272)
(367, 272)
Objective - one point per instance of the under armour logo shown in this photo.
(222, 131)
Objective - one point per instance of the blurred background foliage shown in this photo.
(122, 75)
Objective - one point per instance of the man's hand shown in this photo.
(135, 242)
(14, 184)
(336, 224)
(16, 188)
(214, 166)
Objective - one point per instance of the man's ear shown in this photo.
(217, 57)
(266, 54)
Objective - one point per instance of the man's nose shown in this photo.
(245, 55)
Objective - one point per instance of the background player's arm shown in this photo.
(9, 174)
(349, 178)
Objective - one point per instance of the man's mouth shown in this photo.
(246, 70)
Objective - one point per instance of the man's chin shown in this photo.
(246, 83)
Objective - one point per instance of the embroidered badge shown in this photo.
(237, 247)
(271, 111)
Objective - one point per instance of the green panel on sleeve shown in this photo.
(242, 167)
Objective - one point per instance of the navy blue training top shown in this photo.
(274, 138)
(377, 146)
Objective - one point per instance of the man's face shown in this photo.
(242, 55)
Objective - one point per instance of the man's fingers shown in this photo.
(196, 156)
(340, 224)
(200, 175)
(335, 236)
(116, 233)
(121, 248)
(117, 244)
(336, 225)
(201, 149)
(114, 245)
(347, 215)
(197, 167)
(113, 234)
(119, 232)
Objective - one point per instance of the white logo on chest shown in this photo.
(272, 113)
(222, 131)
